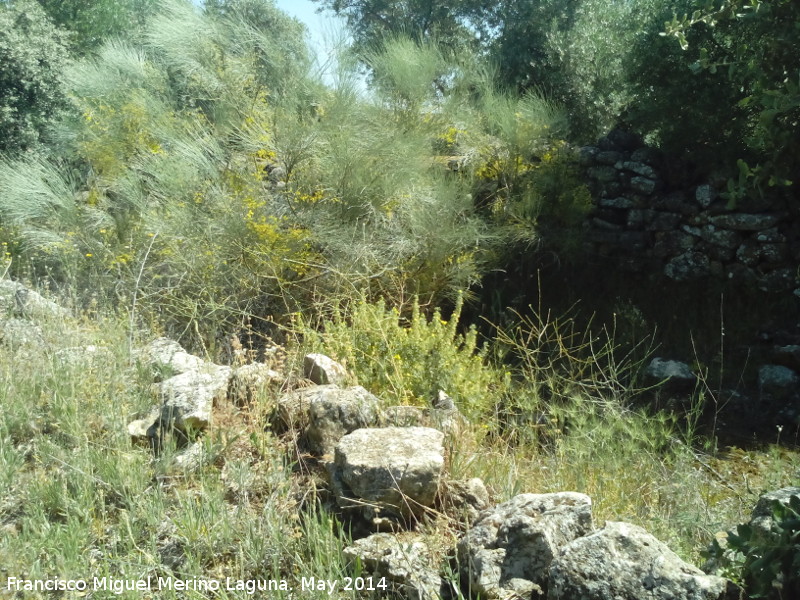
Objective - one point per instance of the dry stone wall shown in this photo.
(648, 225)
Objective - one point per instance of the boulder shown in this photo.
(638, 168)
(510, 547)
(624, 562)
(325, 413)
(323, 370)
(403, 561)
(247, 380)
(146, 430)
(705, 195)
(193, 457)
(388, 472)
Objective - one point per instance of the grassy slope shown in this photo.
(78, 500)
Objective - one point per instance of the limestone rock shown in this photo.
(403, 561)
(762, 520)
(84, 355)
(638, 168)
(745, 221)
(21, 301)
(146, 430)
(323, 370)
(193, 457)
(689, 265)
(643, 185)
(394, 470)
(465, 499)
(18, 333)
(624, 562)
(672, 372)
(187, 399)
(334, 413)
(403, 416)
(247, 380)
(168, 355)
(510, 547)
(324, 413)
(621, 203)
(705, 195)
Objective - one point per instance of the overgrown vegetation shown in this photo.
(170, 168)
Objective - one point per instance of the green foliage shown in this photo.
(769, 563)
(33, 56)
(455, 25)
(90, 23)
(409, 361)
(759, 82)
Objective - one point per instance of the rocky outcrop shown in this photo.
(624, 562)
(389, 472)
(186, 400)
(508, 551)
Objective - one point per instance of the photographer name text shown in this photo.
(118, 585)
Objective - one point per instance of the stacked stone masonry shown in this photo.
(694, 233)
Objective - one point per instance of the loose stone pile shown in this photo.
(391, 477)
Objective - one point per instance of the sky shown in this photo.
(323, 28)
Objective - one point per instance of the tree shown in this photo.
(33, 56)
(752, 51)
(92, 21)
(452, 24)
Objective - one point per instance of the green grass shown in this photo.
(79, 500)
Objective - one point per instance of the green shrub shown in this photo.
(32, 59)
(407, 361)
(768, 565)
